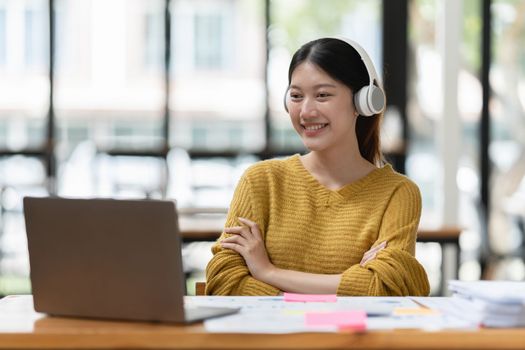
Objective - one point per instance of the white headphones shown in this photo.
(370, 99)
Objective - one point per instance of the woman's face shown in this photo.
(321, 108)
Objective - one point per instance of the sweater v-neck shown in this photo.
(344, 192)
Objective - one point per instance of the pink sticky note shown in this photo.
(331, 298)
(345, 320)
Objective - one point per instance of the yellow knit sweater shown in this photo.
(309, 228)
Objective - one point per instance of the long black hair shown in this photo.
(343, 63)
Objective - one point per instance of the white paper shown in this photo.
(475, 313)
(505, 292)
(371, 305)
(17, 314)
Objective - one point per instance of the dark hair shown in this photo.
(343, 63)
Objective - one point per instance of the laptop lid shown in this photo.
(105, 258)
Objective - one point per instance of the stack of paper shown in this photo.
(489, 303)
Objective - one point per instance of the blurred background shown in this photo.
(173, 99)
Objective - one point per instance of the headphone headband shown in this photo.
(369, 65)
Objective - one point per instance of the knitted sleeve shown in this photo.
(394, 271)
(227, 273)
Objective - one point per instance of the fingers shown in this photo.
(238, 239)
(233, 246)
(375, 249)
(238, 230)
(242, 237)
(366, 259)
(251, 229)
(254, 228)
(236, 243)
(247, 222)
(371, 254)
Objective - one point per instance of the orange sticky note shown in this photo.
(294, 297)
(344, 320)
(402, 311)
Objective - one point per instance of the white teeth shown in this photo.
(315, 127)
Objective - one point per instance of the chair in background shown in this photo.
(448, 239)
(200, 288)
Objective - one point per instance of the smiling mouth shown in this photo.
(314, 127)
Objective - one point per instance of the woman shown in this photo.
(335, 220)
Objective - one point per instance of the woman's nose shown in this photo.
(308, 108)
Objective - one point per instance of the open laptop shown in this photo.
(106, 258)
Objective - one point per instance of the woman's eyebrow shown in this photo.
(317, 86)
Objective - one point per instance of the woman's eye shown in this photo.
(323, 95)
(295, 96)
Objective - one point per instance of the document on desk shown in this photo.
(373, 306)
(17, 314)
(274, 315)
(501, 292)
(479, 312)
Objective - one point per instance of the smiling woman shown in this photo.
(336, 220)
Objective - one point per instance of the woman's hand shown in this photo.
(371, 254)
(247, 241)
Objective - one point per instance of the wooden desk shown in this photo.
(22, 328)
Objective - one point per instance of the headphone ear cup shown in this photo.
(360, 102)
(376, 99)
(285, 101)
(369, 100)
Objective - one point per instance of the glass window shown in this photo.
(24, 97)
(424, 163)
(2, 37)
(507, 147)
(295, 23)
(102, 76)
(109, 92)
(422, 106)
(468, 176)
(19, 176)
(153, 35)
(209, 52)
(24, 103)
(218, 75)
(35, 38)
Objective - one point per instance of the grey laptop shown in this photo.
(105, 258)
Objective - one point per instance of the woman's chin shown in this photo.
(313, 145)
